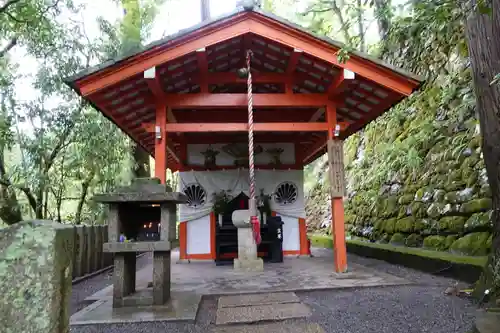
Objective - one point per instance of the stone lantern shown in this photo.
(142, 218)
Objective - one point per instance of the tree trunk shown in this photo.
(343, 25)
(83, 196)
(361, 26)
(482, 32)
(383, 22)
(141, 165)
(131, 34)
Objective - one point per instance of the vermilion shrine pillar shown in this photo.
(161, 142)
(337, 190)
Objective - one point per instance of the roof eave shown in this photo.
(92, 70)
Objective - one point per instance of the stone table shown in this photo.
(145, 201)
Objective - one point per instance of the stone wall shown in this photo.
(416, 176)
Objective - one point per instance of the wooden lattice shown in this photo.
(336, 168)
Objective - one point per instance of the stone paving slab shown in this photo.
(257, 299)
(271, 328)
(294, 274)
(253, 314)
(182, 307)
(487, 322)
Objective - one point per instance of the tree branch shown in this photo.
(25, 190)
(40, 15)
(62, 142)
(6, 5)
(8, 47)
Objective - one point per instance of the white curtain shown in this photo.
(235, 182)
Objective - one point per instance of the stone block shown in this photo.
(124, 277)
(113, 223)
(35, 277)
(249, 265)
(137, 246)
(247, 252)
(252, 314)
(168, 222)
(257, 299)
(108, 257)
(161, 277)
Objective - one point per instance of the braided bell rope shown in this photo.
(250, 129)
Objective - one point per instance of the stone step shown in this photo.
(257, 299)
(487, 322)
(258, 313)
(271, 328)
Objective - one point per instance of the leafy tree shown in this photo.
(126, 36)
(31, 23)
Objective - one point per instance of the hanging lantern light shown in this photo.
(242, 73)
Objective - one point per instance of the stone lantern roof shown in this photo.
(142, 190)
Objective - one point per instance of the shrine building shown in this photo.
(185, 100)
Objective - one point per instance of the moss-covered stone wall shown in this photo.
(416, 176)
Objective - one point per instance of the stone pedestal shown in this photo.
(247, 249)
(35, 277)
(146, 202)
(161, 277)
(123, 277)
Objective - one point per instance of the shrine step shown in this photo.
(487, 322)
(257, 299)
(244, 309)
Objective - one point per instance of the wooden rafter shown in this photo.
(386, 103)
(314, 149)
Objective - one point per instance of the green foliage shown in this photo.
(58, 151)
(473, 244)
(429, 39)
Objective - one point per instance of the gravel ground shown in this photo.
(88, 287)
(417, 308)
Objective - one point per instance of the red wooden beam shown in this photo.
(259, 137)
(336, 83)
(295, 166)
(238, 115)
(229, 77)
(241, 127)
(155, 87)
(161, 143)
(201, 57)
(313, 150)
(184, 101)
